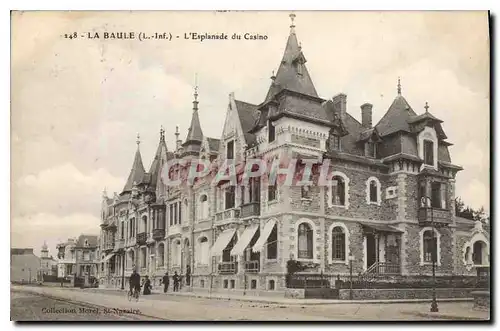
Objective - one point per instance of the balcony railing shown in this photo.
(141, 238)
(250, 209)
(158, 234)
(440, 216)
(109, 245)
(227, 214)
(252, 266)
(228, 268)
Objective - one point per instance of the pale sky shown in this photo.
(78, 104)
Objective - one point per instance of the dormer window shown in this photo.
(371, 149)
(86, 244)
(272, 131)
(336, 142)
(230, 150)
(429, 152)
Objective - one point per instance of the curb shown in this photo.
(449, 317)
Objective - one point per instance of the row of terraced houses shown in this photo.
(241, 237)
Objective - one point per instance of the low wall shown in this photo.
(238, 292)
(403, 293)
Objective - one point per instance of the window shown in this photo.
(271, 192)
(305, 192)
(272, 131)
(253, 284)
(122, 230)
(226, 282)
(131, 257)
(203, 251)
(176, 252)
(180, 212)
(144, 223)
(371, 149)
(477, 253)
(305, 241)
(272, 285)
(176, 213)
(242, 195)
(438, 195)
(428, 152)
(335, 142)
(373, 191)
(202, 283)
(161, 255)
(203, 207)
(430, 246)
(254, 189)
(230, 150)
(143, 257)
(272, 244)
(171, 218)
(338, 244)
(86, 244)
(229, 197)
(338, 191)
(232, 282)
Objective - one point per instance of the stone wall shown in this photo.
(380, 294)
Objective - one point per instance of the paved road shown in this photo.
(189, 308)
(31, 307)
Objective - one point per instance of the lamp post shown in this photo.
(351, 259)
(428, 204)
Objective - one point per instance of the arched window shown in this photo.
(478, 253)
(272, 285)
(373, 191)
(143, 257)
(430, 246)
(305, 241)
(203, 207)
(272, 244)
(203, 251)
(161, 255)
(338, 191)
(338, 244)
(144, 223)
(131, 259)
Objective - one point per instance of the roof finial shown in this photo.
(195, 102)
(399, 85)
(138, 139)
(162, 133)
(273, 77)
(300, 45)
(426, 107)
(292, 17)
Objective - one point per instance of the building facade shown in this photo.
(25, 266)
(78, 257)
(48, 264)
(389, 207)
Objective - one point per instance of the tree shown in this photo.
(462, 210)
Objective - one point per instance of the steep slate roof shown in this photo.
(424, 116)
(248, 114)
(136, 173)
(194, 131)
(161, 156)
(91, 239)
(287, 77)
(396, 118)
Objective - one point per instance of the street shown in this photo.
(28, 306)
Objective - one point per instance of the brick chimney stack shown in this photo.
(366, 115)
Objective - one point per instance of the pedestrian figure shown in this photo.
(147, 286)
(176, 282)
(166, 282)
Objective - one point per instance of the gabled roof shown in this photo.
(136, 173)
(287, 76)
(161, 156)
(248, 114)
(396, 118)
(424, 116)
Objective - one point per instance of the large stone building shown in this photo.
(389, 182)
(25, 266)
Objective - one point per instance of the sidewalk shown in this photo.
(287, 301)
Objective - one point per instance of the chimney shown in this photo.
(366, 115)
(340, 105)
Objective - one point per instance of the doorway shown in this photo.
(371, 250)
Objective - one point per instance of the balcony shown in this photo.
(228, 268)
(252, 266)
(109, 246)
(141, 238)
(250, 209)
(158, 234)
(120, 244)
(226, 215)
(440, 216)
